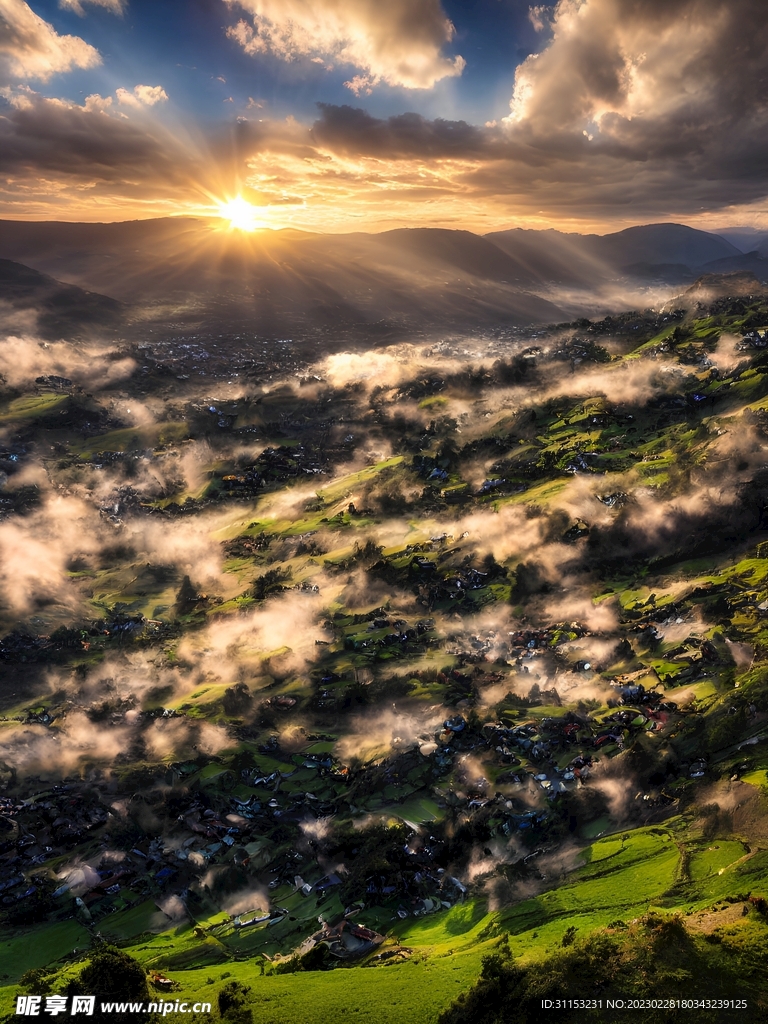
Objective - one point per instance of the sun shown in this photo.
(240, 213)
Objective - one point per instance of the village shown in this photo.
(186, 835)
(434, 727)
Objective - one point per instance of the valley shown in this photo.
(412, 649)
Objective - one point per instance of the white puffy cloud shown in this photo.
(398, 42)
(142, 96)
(97, 102)
(31, 48)
(628, 70)
(116, 6)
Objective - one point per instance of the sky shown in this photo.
(344, 115)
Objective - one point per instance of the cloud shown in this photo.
(79, 876)
(615, 60)
(399, 43)
(629, 111)
(645, 82)
(22, 359)
(86, 143)
(351, 367)
(628, 106)
(142, 96)
(34, 551)
(282, 632)
(97, 102)
(348, 129)
(252, 898)
(539, 16)
(383, 731)
(36, 749)
(31, 48)
(76, 6)
(172, 907)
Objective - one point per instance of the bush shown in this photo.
(233, 1003)
(36, 981)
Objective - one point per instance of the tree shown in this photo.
(113, 976)
(187, 597)
(237, 699)
(271, 582)
(492, 567)
(31, 910)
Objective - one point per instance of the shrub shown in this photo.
(233, 1003)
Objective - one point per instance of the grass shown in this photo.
(40, 946)
(608, 878)
(756, 778)
(128, 923)
(715, 859)
(415, 992)
(333, 497)
(417, 810)
(31, 406)
(618, 877)
(130, 438)
(621, 877)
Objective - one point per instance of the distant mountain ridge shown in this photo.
(289, 280)
(747, 239)
(668, 249)
(409, 278)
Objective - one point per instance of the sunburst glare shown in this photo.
(241, 214)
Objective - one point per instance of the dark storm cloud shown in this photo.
(350, 130)
(40, 135)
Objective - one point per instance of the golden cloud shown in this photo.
(399, 42)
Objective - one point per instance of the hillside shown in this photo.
(387, 284)
(390, 662)
(61, 310)
(287, 280)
